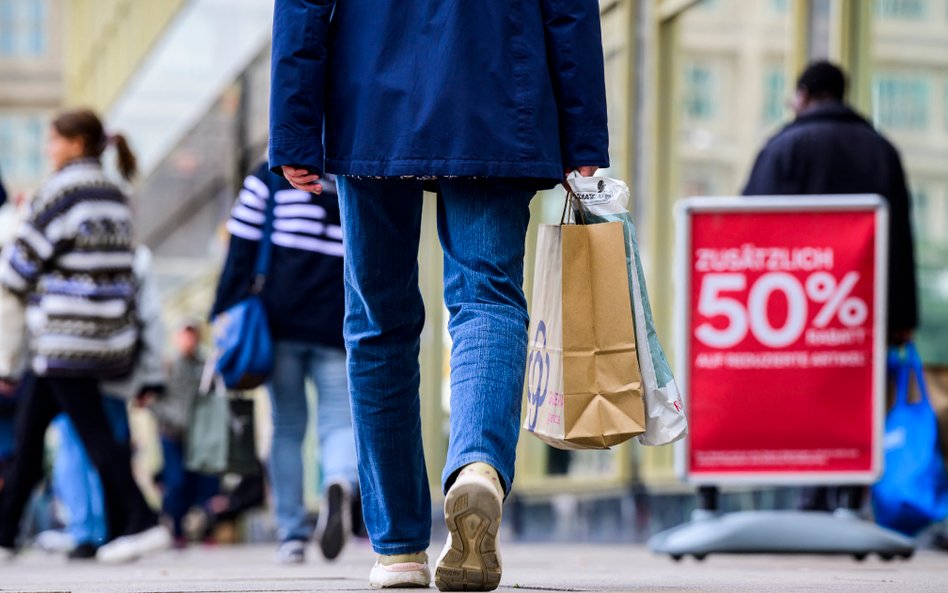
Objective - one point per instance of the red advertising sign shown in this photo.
(782, 348)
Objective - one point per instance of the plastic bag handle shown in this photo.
(570, 198)
(906, 363)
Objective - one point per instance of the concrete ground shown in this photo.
(529, 567)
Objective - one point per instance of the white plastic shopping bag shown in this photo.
(607, 200)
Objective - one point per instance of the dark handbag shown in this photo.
(242, 446)
(244, 358)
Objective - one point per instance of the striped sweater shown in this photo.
(72, 263)
(304, 295)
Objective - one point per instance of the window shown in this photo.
(775, 89)
(901, 102)
(909, 10)
(22, 27)
(21, 147)
(699, 95)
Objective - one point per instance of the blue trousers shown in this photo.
(482, 224)
(76, 483)
(183, 489)
(294, 364)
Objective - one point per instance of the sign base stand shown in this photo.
(781, 532)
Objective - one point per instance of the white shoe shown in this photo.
(133, 547)
(292, 551)
(470, 560)
(55, 541)
(400, 575)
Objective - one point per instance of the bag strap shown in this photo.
(906, 363)
(262, 268)
(917, 369)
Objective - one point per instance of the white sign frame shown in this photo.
(790, 204)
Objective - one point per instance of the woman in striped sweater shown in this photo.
(71, 265)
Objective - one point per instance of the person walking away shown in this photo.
(304, 301)
(413, 95)
(76, 483)
(10, 218)
(183, 489)
(831, 149)
(72, 266)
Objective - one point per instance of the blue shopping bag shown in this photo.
(913, 490)
(242, 342)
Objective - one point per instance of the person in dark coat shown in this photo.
(484, 102)
(831, 149)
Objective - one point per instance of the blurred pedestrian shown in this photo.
(485, 102)
(3, 192)
(10, 218)
(76, 483)
(830, 149)
(304, 299)
(71, 265)
(183, 489)
(228, 505)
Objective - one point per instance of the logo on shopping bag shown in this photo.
(538, 376)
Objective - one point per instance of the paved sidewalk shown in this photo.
(533, 568)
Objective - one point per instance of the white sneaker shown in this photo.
(292, 551)
(470, 560)
(55, 541)
(133, 547)
(400, 575)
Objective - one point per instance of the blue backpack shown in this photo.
(241, 333)
(913, 491)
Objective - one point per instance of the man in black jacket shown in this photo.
(831, 149)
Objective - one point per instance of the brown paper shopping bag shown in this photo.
(584, 390)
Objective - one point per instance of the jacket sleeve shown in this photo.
(27, 255)
(298, 81)
(903, 289)
(575, 61)
(246, 230)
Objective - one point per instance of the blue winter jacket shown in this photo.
(498, 88)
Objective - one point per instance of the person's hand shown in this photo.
(218, 504)
(145, 399)
(584, 171)
(7, 387)
(302, 179)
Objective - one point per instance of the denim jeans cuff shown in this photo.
(392, 549)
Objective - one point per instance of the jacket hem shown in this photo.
(447, 167)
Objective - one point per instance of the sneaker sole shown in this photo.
(333, 538)
(418, 581)
(472, 513)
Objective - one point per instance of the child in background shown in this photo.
(182, 488)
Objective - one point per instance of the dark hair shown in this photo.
(85, 125)
(823, 80)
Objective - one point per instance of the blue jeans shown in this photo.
(482, 225)
(76, 482)
(294, 363)
(183, 488)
